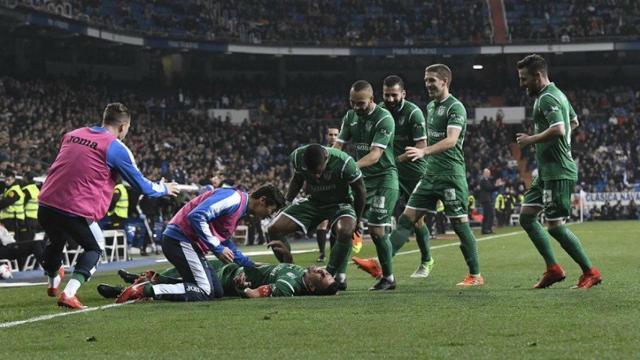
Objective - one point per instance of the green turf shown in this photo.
(423, 318)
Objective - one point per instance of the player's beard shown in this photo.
(392, 105)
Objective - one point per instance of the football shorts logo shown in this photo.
(378, 201)
(547, 196)
(449, 194)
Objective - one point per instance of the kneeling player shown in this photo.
(329, 174)
(205, 224)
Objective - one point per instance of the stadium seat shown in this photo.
(242, 234)
(119, 243)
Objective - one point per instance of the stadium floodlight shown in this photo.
(478, 67)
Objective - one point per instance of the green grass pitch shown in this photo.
(422, 318)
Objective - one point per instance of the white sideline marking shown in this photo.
(458, 243)
(51, 316)
(19, 284)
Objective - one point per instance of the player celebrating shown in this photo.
(445, 175)
(329, 174)
(77, 192)
(410, 131)
(205, 224)
(370, 129)
(553, 120)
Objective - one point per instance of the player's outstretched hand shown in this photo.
(281, 251)
(226, 256)
(414, 153)
(172, 187)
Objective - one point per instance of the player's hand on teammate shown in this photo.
(414, 153)
(172, 187)
(524, 139)
(240, 282)
(226, 255)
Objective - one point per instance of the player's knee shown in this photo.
(526, 220)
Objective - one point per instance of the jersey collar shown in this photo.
(443, 100)
(545, 87)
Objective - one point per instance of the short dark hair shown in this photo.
(272, 194)
(393, 80)
(533, 63)
(314, 156)
(443, 71)
(9, 173)
(361, 85)
(115, 114)
(332, 289)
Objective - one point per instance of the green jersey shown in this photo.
(333, 185)
(364, 132)
(552, 108)
(440, 116)
(284, 279)
(410, 128)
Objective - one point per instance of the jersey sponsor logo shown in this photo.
(362, 147)
(82, 141)
(317, 188)
(378, 201)
(449, 194)
(385, 132)
(437, 134)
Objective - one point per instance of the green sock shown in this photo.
(422, 238)
(539, 237)
(401, 234)
(384, 250)
(339, 258)
(79, 277)
(148, 291)
(468, 246)
(571, 244)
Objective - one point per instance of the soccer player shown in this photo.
(410, 131)
(445, 175)
(370, 129)
(77, 192)
(206, 223)
(321, 230)
(553, 120)
(329, 174)
(263, 280)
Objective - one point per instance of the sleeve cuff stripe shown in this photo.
(379, 145)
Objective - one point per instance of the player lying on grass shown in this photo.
(263, 280)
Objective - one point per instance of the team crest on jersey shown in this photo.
(326, 175)
(401, 120)
(378, 202)
(368, 125)
(449, 194)
(441, 110)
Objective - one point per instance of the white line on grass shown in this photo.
(51, 316)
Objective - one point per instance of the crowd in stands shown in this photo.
(360, 23)
(168, 140)
(326, 22)
(572, 20)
